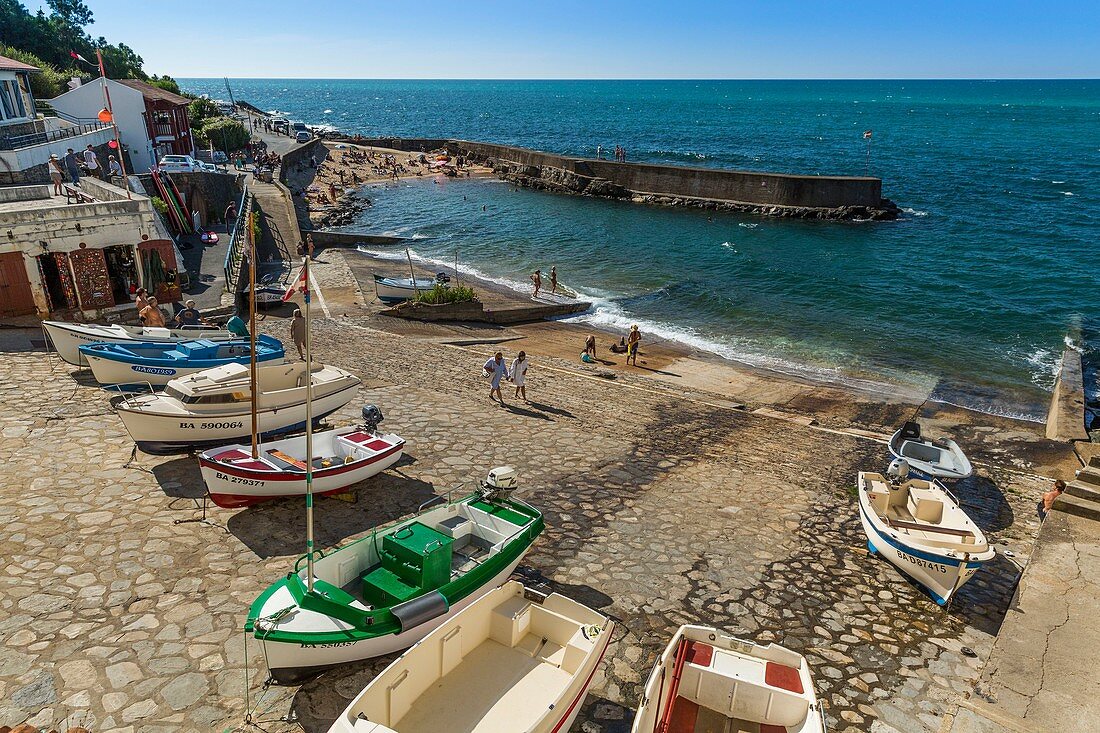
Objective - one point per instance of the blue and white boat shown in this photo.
(154, 364)
(928, 458)
(919, 527)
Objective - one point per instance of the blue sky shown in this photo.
(614, 39)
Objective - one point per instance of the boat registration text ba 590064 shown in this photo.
(212, 425)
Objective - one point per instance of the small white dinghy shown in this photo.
(511, 662)
(708, 681)
(929, 458)
(919, 527)
(67, 338)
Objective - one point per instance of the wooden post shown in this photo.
(118, 141)
(252, 337)
(412, 273)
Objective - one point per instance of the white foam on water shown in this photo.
(747, 225)
(1045, 364)
(1068, 193)
(327, 112)
(1057, 181)
(914, 212)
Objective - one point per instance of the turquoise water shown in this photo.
(971, 294)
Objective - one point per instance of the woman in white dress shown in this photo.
(519, 375)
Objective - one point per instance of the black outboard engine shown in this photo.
(911, 431)
(442, 278)
(371, 417)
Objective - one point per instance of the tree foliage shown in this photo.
(200, 110)
(224, 133)
(166, 83)
(52, 37)
(46, 85)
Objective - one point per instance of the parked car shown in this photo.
(179, 164)
(297, 127)
(303, 136)
(220, 157)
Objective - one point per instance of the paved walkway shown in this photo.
(1042, 673)
(662, 507)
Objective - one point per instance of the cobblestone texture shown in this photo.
(660, 510)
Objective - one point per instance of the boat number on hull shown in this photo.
(237, 479)
(154, 370)
(211, 425)
(334, 644)
(922, 563)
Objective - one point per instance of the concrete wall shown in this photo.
(210, 193)
(29, 164)
(771, 189)
(1066, 419)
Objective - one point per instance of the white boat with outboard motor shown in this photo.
(214, 407)
(514, 661)
(707, 681)
(67, 338)
(940, 458)
(920, 528)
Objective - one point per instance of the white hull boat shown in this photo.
(708, 681)
(67, 338)
(143, 364)
(214, 407)
(341, 458)
(385, 592)
(919, 527)
(511, 662)
(930, 458)
(397, 289)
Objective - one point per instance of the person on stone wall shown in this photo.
(91, 162)
(113, 166)
(72, 167)
(1049, 497)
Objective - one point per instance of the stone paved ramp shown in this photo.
(662, 507)
(1042, 673)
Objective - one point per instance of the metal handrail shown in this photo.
(17, 142)
(234, 254)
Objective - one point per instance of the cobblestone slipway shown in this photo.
(660, 510)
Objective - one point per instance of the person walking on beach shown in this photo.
(298, 333)
(536, 280)
(519, 375)
(590, 345)
(633, 339)
(496, 370)
(57, 174)
(554, 279)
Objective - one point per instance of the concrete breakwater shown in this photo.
(772, 194)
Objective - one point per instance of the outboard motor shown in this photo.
(442, 278)
(898, 470)
(371, 417)
(499, 484)
(911, 431)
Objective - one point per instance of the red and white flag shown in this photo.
(867, 135)
(78, 57)
(298, 286)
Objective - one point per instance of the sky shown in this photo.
(613, 39)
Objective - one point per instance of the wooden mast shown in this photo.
(252, 336)
(309, 433)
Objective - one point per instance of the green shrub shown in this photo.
(159, 205)
(440, 294)
(47, 85)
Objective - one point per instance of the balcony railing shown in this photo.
(164, 129)
(17, 142)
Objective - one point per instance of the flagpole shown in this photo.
(111, 112)
(252, 335)
(309, 435)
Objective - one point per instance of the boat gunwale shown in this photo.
(925, 552)
(490, 567)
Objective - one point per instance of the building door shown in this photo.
(16, 297)
(159, 270)
(54, 269)
(122, 270)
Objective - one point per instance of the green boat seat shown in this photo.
(383, 588)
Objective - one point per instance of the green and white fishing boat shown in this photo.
(385, 592)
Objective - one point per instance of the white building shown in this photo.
(26, 139)
(151, 122)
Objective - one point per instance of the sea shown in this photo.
(970, 297)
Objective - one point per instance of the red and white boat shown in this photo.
(341, 458)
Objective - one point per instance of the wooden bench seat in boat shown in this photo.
(362, 440)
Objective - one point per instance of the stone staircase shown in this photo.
(1082, 495)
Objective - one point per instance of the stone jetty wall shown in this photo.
(774, 194)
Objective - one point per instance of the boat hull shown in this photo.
(120, 373)
(162, 434)
(939, 575)
(67, 338)
(952, 464)
(390, 291)
(233, 487)
(293, 662)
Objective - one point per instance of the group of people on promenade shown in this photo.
(536, 281)
(496, 369)
(74, 165)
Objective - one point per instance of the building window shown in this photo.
(8, 96)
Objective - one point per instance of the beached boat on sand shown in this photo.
(157, 363)
(919, 527)
(397, 289)
(512, 662)
(708, 681)
(385, 592)
(214, 407)
(929, 458)
(341, 458)
(67, 338)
